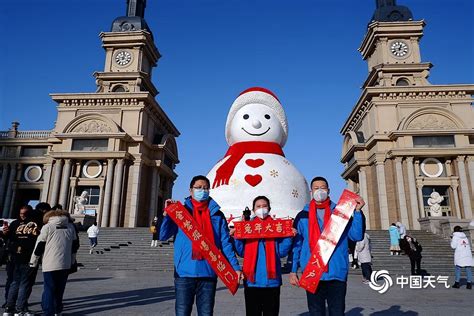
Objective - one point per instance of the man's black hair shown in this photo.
(319, 179)
(457, 229)
(43, 207)
(261, 197)
(197, 178)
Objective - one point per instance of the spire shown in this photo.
(389, 11)
(134, 20)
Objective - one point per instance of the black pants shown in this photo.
(366, 270)
(334, 292)
(415, 261)
(262, 301)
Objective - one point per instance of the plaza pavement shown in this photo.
(103, 292)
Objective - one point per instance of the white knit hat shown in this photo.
(257, 95)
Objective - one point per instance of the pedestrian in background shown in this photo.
(462, 257)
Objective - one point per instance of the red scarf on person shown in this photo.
(202, 216)
(314, 230)
(237, 152)
(251, 253)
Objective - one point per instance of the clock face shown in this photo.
(123, 58)
(399, 48)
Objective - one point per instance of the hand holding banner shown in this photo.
(219, 263)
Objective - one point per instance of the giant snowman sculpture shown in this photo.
(256, 131)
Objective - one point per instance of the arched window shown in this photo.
(118, 88)
(402, 82)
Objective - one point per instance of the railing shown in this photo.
(26, 134)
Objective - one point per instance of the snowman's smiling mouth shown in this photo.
(256, 134)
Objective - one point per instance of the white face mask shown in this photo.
(320, 195)
(262, 212)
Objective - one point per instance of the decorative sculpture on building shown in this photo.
(435, 203)
(81, 201)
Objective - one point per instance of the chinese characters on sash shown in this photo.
(277, 228)
(180, 215)
(327, 242)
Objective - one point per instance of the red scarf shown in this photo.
(202, 216)
(314, 230)
(251, 252)
(236, 152)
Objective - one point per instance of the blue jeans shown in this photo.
(93, 241)
(18, 292)
(457, 273)
(204, 289)
(334, 292)
(54, 285)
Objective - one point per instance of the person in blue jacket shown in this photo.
(194, 277)
(262, 265)
(333, 283)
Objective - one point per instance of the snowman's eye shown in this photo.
(267, 116)
(246, 116)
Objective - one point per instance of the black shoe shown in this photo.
(469, 286)
(9, 311)
(455, 285)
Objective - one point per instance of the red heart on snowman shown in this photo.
(254, 163)
(253, 180)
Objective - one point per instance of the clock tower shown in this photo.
(391, 48)
(130, 53)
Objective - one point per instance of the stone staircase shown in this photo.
(129, 249)
(438, 257)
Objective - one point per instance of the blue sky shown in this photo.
(305, 51)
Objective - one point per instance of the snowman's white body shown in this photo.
(281, 182)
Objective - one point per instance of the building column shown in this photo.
(56, 181)
(454, 188)
(466, 198)
(152, 208)
(13, 199)
(382, 194)
(46, 182)
(9, 188)
(419, 186)
(363, 193)
(470, 167)
(136, 172)
(65, 183)
(105, 214)
(402, 201)
(3, 183)
(117, 193)
(413, 198)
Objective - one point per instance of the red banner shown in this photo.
(328, 240)
(277, 228)
(181, 216)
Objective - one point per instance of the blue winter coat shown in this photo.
(282, 247)
(339, 261)
(394, 235)
(184, 265)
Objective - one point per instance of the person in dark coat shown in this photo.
(413, 250)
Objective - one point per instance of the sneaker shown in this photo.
(469, 286)
(366, 282)
(455, 285)
(90, 251)
(9, 311)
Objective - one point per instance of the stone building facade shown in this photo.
(408, 144)
(117, 144)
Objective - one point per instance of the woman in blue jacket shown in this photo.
(310, 223)
(262, 266)
(194, 277)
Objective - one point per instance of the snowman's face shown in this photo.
(255, 122)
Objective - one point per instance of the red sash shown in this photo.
(278, 228)
(180, 215)
(328, 240)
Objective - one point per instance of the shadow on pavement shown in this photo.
(115, 301)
